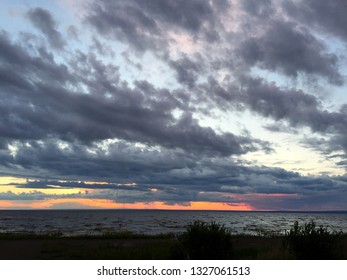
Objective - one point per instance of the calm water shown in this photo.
(74, 222)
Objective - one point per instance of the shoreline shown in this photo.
(131, 246)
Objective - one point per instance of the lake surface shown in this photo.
(96, 222)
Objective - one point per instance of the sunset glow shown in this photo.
(80, 203)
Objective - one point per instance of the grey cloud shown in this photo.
(44, 21)
(218, 180)
(52, 184)
(51, 105)
(102, 48)
(188, 15)
(168, 171)
(313, 202)
(320, 144)
(9, 52)
(178, 177)
(280, 127)
(295, 106)
(126, 22)
(72, 117)
(120, 162)
(290, 108)
(298, 108)
(73, 32)
(17, 62)
(126, 57)
(329, 16)
(258, 8)
(33, 195)
(291, 49)
(187, 71)
(271, 101)
(144, 24)
(339, 141)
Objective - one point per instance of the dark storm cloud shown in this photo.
(43, 20)
(292, 50)
(329, 16)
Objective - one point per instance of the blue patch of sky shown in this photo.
(12, 18)
(154, 71)
(15, 12)
(273, 77)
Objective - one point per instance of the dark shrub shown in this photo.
(204, 241)
(311, 243)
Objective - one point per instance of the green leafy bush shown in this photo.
(204, 241)
(310, 242)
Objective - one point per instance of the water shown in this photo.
(96, 222)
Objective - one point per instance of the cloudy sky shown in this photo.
(173, 104)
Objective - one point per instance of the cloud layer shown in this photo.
(121, 95)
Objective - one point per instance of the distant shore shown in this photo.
(126, 245)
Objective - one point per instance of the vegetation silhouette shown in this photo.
(204, 240)
(200, 240)
(309, 242)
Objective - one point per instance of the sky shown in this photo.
(173, 104)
